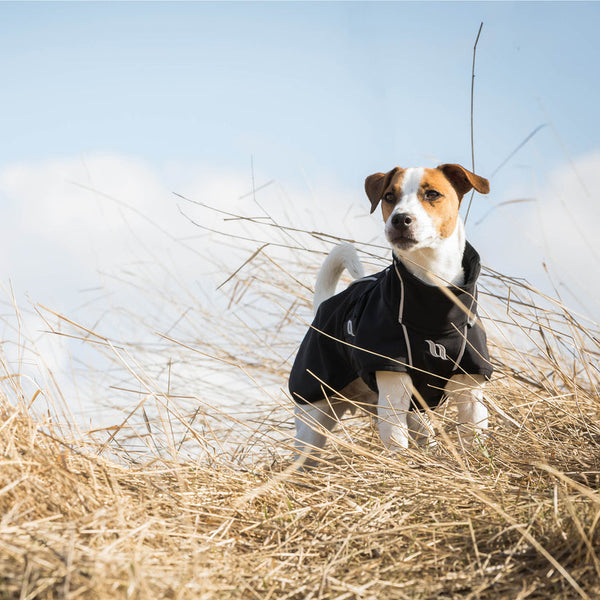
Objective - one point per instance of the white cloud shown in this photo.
(93, 212)
(73, 229)
(553, 240)
(100, 239)
(569, 218)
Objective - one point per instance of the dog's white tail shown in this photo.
(343, 256)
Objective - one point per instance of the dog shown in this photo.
(403, 339)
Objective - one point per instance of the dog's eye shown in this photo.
(389, 197)
(432, 195)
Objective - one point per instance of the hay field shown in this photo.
(189, 495)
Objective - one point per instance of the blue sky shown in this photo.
(138, 100)
(335, 89)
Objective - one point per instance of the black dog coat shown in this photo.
(392, 321)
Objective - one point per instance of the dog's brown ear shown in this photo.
(376, 184)
(463, 181)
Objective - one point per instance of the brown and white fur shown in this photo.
(422, 224)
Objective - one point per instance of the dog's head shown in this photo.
(420, 206)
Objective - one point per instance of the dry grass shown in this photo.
(188, 496)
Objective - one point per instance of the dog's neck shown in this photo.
(440, 265)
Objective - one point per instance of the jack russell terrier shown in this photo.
(405, 338)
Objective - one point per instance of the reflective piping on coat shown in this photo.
(401, 308)
(462, 348)
(401, 314)
(367, 278)
(472, 315)
(470, 323)
(410, 362)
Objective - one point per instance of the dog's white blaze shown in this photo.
(412, 181)
(424, 229)
(409, 202)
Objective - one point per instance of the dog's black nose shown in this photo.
(400, 220)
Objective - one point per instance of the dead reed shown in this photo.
(186, 495)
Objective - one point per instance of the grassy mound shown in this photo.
(206, 506)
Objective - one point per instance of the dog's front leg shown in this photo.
(395, 391)
(467, 392)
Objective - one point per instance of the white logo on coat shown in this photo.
(436, 350)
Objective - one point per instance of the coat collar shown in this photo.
(432, 308)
